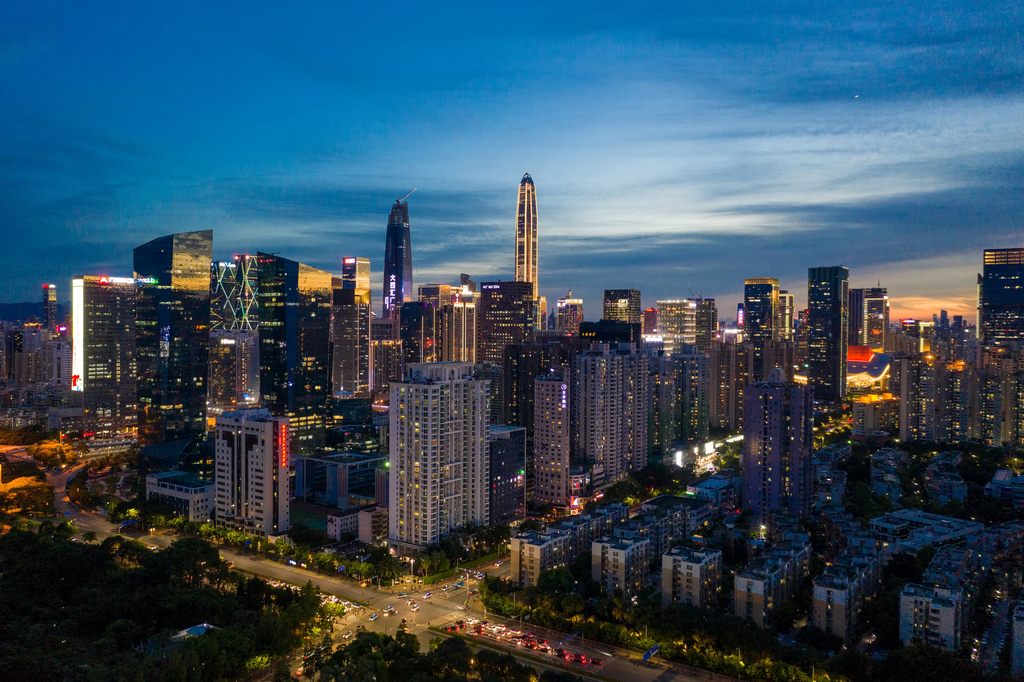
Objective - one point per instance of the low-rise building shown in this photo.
(690, 576)
(931, 615)
(190, 496)
(620, 564)
(719, 488)
(912, 529)
(340, 524)
(1007, 488)
(373, 525)
(757, 590)
(885, 467)
(533, 552)
(942, 479)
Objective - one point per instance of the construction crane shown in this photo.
(406, 196)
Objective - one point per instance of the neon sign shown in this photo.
(77, 333)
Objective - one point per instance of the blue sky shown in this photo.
(677, 148)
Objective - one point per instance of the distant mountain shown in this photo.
(19, 312)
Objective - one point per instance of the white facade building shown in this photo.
(931, 615)
(551, 440)
(440, 457)
(252, 472)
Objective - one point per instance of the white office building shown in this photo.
(252, 472)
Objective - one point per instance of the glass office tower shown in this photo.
(397, 260)
(827, 331)
(295, 341)
(172, 335)
(1001, 297)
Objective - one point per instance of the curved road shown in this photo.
(440, 608)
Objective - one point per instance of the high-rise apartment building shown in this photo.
(251, 472)
(351, 371)
(692, 396)
(234, 302)
(526, 234)
(439, 461)
(50, 320)
(295, 340)
(690, 576)
(172, 335)
(760, 319)
(777, 447)
(1001, 297)
(677, 323)
(103, 353)
(827, 331)
(355, 272)
(706, 327)
(507, 485)
(504, 317)
(569, 315)
(397, 260)
(623, 305)
(552, 438)
(610, 392)
(418, 332)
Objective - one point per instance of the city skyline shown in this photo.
(679, 143)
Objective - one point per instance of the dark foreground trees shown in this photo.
(78, 611)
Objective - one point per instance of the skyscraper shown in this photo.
(855, 313)
(172, 335)
(440, 463)
(350, 373)
(504, 317)
(507, 473)
(706, 323)
(526, 234)
(355, 272)
(1001, 297)
(234, 376)
(50, 306)
(650, 322)
(295, 338)
(623, 305)
(827, 331)
(233, 293)
(692, 394)
(677, 323)
(251, 472)
(570, 315)
(397, 259)
(777, 446)
(103, 353)
(787, 312)
(876, 318)
(760, 318)
(418, 332)
(552, 438)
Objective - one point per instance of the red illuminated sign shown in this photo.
(282, 445)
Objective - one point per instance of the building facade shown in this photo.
(552, 439)
(828, 320)
(252, 472)
(1001, 297)
(526, 234)
(623, 305)
(103, 355)
(505, 317)
(690, 576)
(172, 335)
(397, 260)
(439, 453)
(507, 488)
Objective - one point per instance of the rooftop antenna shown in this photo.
(406, 196)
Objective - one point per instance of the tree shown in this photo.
(282, 673)
(389, 568)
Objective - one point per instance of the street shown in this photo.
(440, 608)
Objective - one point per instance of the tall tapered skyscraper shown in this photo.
(397, 259)
(526, 233)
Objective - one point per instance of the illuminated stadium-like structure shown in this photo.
(865, 369)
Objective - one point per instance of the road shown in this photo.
(440, 608)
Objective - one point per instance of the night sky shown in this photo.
(677, 148)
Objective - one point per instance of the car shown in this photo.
(403, 595)
(373, 616)
(561, 653)
(455, 587)
(543, 648)
(153, 547)
(411, 602)
(446, 588)
(472, 591)
(497, 563)
(415, 608)
(597, 661)
(426, 596)
(347, 635)
(529, 645)
(461, 624)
